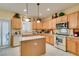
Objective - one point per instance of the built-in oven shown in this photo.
(60, 42)
(61, 33)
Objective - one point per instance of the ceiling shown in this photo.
(32, 8)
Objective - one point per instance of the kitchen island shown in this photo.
(33, 45)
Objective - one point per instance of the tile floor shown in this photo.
(50, 51)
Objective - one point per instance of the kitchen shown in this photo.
(33, 33)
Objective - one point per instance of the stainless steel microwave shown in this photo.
(62, 25)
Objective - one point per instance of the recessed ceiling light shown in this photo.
(48, 9)
(25, 10)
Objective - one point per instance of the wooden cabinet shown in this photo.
(73, 20)
(62, 19)
(34, 47)
(45, 25)
(47, 38)
(36, 25)
(72, 45)
(39, 25)
(16, 23)
(58, 20)
(51, 39)
(78, 47)
(50, 23)
(68, 44)
(53, 24)
(77, 43)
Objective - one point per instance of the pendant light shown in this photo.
(27, 19)
(38, 19)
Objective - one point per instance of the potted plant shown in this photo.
(61, 14)
(17, 15)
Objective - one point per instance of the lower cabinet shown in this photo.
(49, 38)
(77, 46)
(73, 45)
(34, 47)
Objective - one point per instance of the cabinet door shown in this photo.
(16, 23)
(72, 19)
(68, 44)
(51, 39)
(53, 24)
(59, 20)
(64, 19)
(47, 37)
(77, 46)
(71, 45)
(45, 25)
(34, 25)
(39, 25)
(50, 24)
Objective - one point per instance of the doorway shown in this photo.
(4, 33)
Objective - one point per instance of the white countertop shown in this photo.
(32, 37)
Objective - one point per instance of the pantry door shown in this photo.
(4, 33)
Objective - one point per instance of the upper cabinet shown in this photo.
(53, 23)
(36, 25)
(46, 25)
(61, 19)
(39, 25)
(64, 19)
(50, 24)
(73, 20)
(58, 20)
(16, 23)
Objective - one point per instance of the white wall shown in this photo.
(5, 14)
(26, 26)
